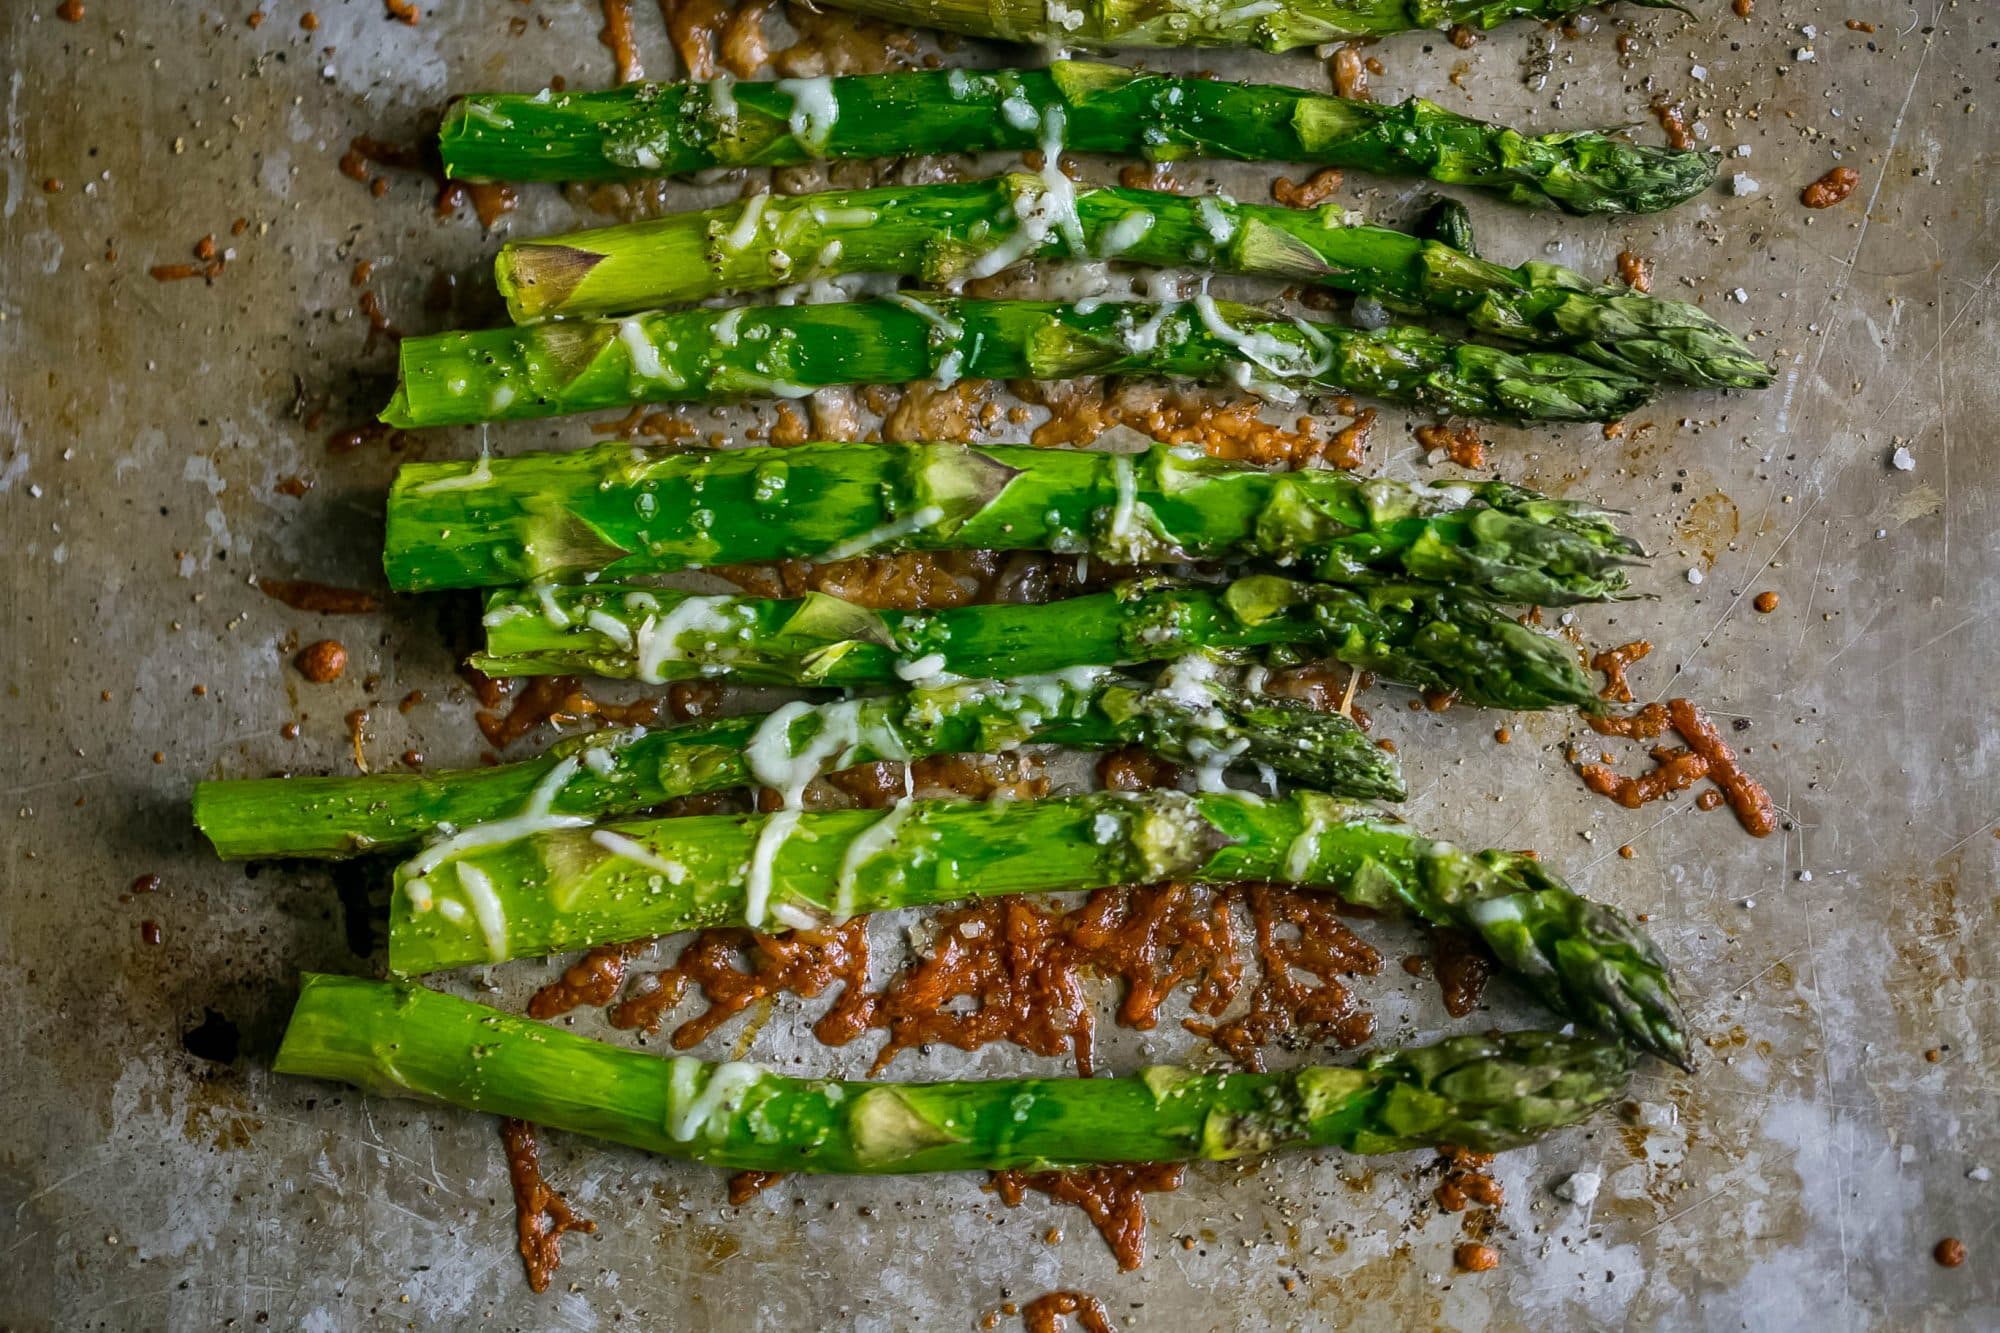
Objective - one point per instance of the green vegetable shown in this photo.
(704, 355)
(497, 892)
(1447, 222)
(669, 129)
(942, 233)
(1277, 25)
(624, 510)
(1190, 716)
(1487, 1092)
(1415, 634)
(1479, 1092)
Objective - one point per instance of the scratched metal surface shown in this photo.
(1800, 1179)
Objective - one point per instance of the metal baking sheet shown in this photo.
(1800, 1179)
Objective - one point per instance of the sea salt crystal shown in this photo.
(1903, 460)
(1579, 1187)
(1743, 183)
(1694, 575)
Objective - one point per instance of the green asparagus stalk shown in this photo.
(545, 370)
(1191, 715)
(623, 510)
(1479, 1092)
(669, 129)
(501, 891)
(1272, 25)
(1413, 634)
(944, 233)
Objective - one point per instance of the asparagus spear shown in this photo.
(497, 892)
(1272, 25)
(623, 510)
(1411, 633)
(668, 129)
(942, 233)
(788, 351)
(1478, 1092)
(1189, 716)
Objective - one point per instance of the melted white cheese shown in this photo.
(1213, 760)
(1057, 188)
(1125, 233)
(1217, 223)
(478, 890)
(552, 611)
(757, 887)
(1123, 533)
(1299, 856)
(500, 615)
(1018, 111)
(844, 217)
(601, 757)
(871, 842)
(534, 818)
(1265, 350)
(658, 639)
(1190, 680)
(745, 230)
(1163, 290)
(611, 627)
(949, 331)
(928, 667)
(1062, 16)
(884, 535)
(722, 100)
(481, 474)
(951, 368)
(691, 1111)
(1040, 213)
(638, 854)
(814, 111)
(639, 350)
(774, 763)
